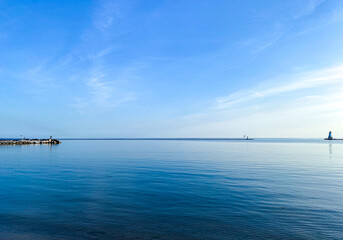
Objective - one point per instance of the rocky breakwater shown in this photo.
(29, 141)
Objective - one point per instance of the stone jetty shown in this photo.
(29, 141)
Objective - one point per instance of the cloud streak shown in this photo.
(306, 102)
(104, 86)
(309, 8)
(325, 77)
(106, 14)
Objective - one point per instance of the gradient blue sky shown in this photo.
(171, 68)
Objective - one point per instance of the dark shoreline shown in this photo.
(29, 141)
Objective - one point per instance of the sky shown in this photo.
(171, 68)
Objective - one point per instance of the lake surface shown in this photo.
(262, 189)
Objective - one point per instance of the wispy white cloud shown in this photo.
(295, 25)
(110, 18)
(324, 77)
(105, 88)
(270, 41)
(308, 103)
(37, 79)
(102, 95)
(106, 14)
(324, 19)
(308, 8)
(100, 90)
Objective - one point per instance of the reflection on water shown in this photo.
(286, 189)
(330, 151)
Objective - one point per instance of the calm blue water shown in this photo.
(263, 189)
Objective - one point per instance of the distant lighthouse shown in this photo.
(330, 136)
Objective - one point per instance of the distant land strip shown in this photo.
(215, 139)
(49, 141)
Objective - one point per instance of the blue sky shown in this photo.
(194, 68)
